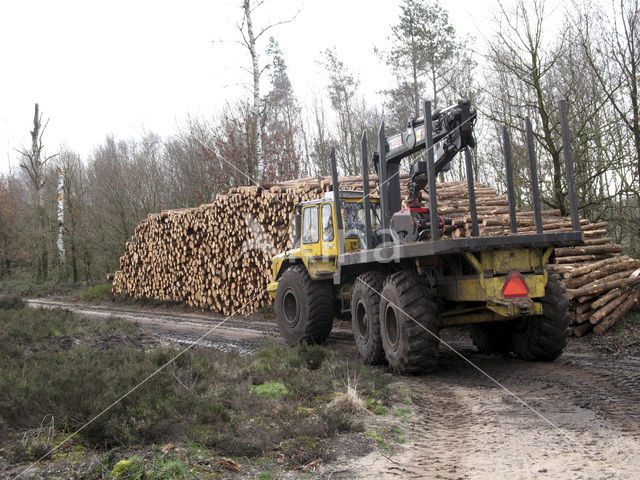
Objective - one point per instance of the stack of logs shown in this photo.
(218, 256)
(600, 291)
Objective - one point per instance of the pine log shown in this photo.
(581, 258)
(606, 309)
(600, 288)
(590, 267)
(588, 250)
(582, 329)
(616, 292)
(608, 322)
(609, 269)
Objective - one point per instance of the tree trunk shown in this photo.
(60, 241)
(36, 163)
(256, 89)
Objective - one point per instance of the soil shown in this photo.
(575, 418)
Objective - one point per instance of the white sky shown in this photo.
(129, 67)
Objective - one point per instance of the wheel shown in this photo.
(365, 316)
(544, 337)
(493, 337)
(407, 315)
(304, 308)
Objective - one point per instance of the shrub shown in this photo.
(11, 302)
(102, 291)
(241, 406)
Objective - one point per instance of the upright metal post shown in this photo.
(510, 190)
(568, 165)
(472, 193)
(335, 184)
(534, 177)
(366, 193)
(382, 177)
(431, 173)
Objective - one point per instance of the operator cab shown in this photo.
(318, 231)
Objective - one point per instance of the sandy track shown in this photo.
(463, 425)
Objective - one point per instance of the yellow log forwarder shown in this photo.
(388, 269)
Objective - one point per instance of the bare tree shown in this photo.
(343, 86)
(33, 163)
(250, 39)
(613, 55)
(521, 62)
(60, 218)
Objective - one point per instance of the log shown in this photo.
(588, 250)
(606, 298)
(211, 257)
(581, 330)
(590, 267)
(614, 276)
(608, 322)
(605, 310)
(623, 265)
(580, 258)
(604, 287)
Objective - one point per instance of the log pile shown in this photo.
(218, 256)
(600, 291)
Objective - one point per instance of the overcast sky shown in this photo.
(129, 67)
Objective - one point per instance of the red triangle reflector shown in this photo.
(515, 286)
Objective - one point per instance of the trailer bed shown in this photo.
(461, 245)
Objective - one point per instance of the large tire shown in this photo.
(405, 308)
(492, 337)
(304, 308)
(365, 316)
(543, 338)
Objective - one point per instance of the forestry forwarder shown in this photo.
(400, 282)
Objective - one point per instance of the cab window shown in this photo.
(327, 223)
(310, 225)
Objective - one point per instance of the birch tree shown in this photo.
(250, 40)
(33, 163)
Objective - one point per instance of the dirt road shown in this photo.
(463, 425)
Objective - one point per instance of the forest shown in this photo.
(528, 58)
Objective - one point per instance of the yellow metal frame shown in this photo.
(319, 257)
(486, 285)
(483, 288)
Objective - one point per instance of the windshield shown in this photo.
(353, 215)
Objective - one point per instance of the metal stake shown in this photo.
(382, 177)
(431, 173)
(337, 201)
(365, 192)
(472, 194)
(510, 190)
(568, 165)
(534, 177)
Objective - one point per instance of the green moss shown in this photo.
(127, 467)
(272, 390)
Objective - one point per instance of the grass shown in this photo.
(135, 468)
(63, 369)
(99, 292)
(11, 302)
(271, 390)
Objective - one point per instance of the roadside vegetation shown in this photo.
(280, 408)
